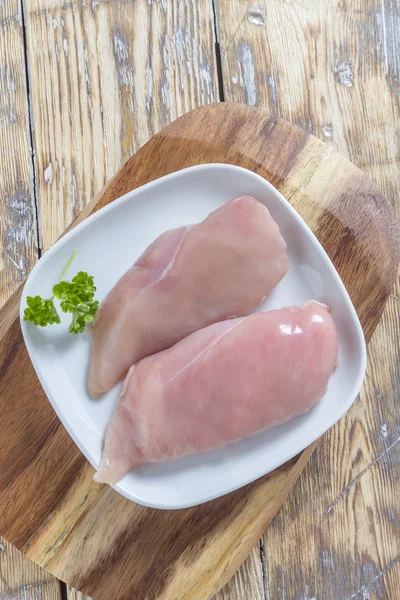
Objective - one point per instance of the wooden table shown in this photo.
(83, 84)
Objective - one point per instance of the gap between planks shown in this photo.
(29, 122)
(214, 7)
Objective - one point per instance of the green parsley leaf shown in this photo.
(41, 311)
(76, 297)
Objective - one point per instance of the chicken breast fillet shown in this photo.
(188, 278)
(219, 385)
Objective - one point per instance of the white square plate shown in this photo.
(108, 243)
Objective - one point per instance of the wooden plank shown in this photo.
(333, 69)
(327, 66)
(109, 74)
(19, 577)
(22, 579)
(17, 211)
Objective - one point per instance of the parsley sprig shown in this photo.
(75, 296)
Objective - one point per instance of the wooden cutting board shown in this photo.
(88, 535)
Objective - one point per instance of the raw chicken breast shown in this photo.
(219, 385)
(188, 278)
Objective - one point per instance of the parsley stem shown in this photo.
(67, 266)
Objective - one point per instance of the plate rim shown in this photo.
(130, 196)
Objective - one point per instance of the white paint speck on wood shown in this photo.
(248, 76)
(48, 174)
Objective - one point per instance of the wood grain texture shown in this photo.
(22, 579)
(333, 68)
(87, 534)
(74, 595)
(17, 210)
(330, 67)
(107, 76)
(246, 584)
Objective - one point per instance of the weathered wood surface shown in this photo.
(106, 77)
(68, 516)
(18, 577)
(22, 579)
(333, 68)
(17, 208)
(74, 595)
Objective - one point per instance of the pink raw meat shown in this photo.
(188, 278)
(219, 385)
